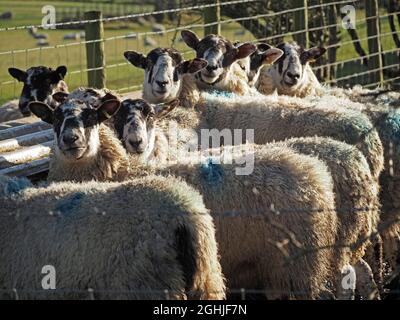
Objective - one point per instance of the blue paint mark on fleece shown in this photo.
(390, 129)
(70, 203)
(212, 173)
(13, 186)
(222, 94)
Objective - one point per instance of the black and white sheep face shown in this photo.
(291, 66)
(264, 55)
(39, 85)
(75, 126)
(219, 52)
(164, 68)
(135, 124)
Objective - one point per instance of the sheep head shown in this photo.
(39, 85)
(164, 68)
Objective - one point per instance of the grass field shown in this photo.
(73, 54)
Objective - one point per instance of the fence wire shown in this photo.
(142, 35)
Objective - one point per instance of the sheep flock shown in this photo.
(237, 170)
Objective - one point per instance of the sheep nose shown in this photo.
(211, 68)
(70, 139)
(136, 143)
(294, 76)
(162, 84)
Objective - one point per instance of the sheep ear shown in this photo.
(190, 38)
(137, 59)
(312, 54)
(60, 96)
(245, 50)
(271, 55)
(192, 66)
(58, 74)
(162, 110)
(263, 46)
(18, 74)
(109, 96)
(41, 110)
(108, 109)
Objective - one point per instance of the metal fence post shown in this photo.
(211, 15)
(374, 41)
(301, 23)
(95, 50)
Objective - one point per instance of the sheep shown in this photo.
(9, 111)
(135, 126)
(39, 85)
(278, 118)
(378, 105)
(356, 190)
(291, 74)
(221, 73)
(149, 42)
(155, 234)
(165, 73)
(33, 31)
(252, 64)
(83, 145)
(158, 28)
(240, 204)
(302, 181)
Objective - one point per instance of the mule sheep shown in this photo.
(157, 235)
(39, 84)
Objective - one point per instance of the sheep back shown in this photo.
(149, 235)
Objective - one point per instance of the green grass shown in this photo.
(74, 56)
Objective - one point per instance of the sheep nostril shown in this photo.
(211, 68)
(70, 139)
(294, 76)
(162, 84)
(135, 143)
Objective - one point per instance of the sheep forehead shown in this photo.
(155, 54)
(212, 42)
(34, 72)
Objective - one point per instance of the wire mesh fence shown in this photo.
(353, 57)
(367, 55)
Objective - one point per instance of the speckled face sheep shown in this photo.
(220, 54)
(39, 85)
(164, 69)
(291, 74)
(75, 125)
(264, 55)
(135, 124)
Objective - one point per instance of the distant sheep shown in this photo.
(39, 84)
(33, 31)
(291, 74)
(149, 42)
(159, 28)
(154, 233)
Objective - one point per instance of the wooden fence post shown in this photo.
(374, 41)
(95, 50)
(333, 39)
(212, 14)
(301, 23)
